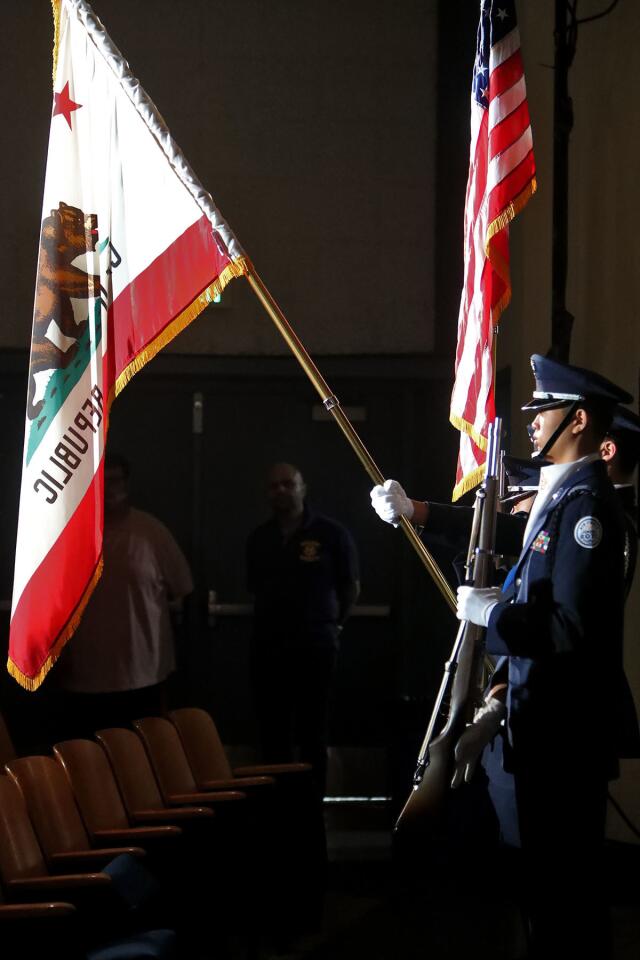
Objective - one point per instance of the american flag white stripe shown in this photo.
(502, 165)
(507, 102)
(504, 49)
(501, 179)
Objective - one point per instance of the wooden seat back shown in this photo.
(94, 785)
(51, 804)
(167, 756)
(20, 852)
(202, 744)
(132, 769)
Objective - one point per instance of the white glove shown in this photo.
(477, 735)
(476, 603)
(391, 502)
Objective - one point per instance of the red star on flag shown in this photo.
(64, 105)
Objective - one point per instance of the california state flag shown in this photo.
(131, 250)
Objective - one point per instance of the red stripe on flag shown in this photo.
(511, 186)
(172, 281)
(504, 76)
(61, 580)
(509, 130)
(475, 191)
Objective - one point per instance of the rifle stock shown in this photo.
(462, 679)
(425, 804)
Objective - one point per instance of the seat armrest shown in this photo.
(97, 857)
(137, 833)
(238, 783)
(33, 911)
(222, 796)
(271, 769)
(69, 881)
(169, 816)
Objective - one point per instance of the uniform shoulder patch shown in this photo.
(588, 532)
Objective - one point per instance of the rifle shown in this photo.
(462, 681)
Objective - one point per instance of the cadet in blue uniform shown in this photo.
(558, 624)
(620, 450)
(302, 568)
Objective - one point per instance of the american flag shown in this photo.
(501, 180)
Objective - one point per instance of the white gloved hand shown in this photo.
(390, 502)
(477, 735)
(476, 603)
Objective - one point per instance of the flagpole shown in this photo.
(494, 363)
(331, 403)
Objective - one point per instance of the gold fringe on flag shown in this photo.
(510, 212)
(496, 313)
(476, 476)
(237, 268)
(465, 427)
(32, 683)
(55, 9)
(497, 262)
(468, 483)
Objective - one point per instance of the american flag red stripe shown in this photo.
(501, 180)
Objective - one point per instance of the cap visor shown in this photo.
(540, 403)
(512, 499)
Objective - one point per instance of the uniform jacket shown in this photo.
(560, 627)
(627, 496)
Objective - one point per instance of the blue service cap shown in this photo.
(523, 475)
(625, 420)
(559, 384)
(523, 478)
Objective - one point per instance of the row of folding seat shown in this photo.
(167, 786)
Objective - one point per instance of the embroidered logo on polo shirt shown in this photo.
(541, 542)
(588, 532)
(310, 550)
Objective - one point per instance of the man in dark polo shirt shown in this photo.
(302, 568)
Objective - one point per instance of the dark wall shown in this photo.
(313, 125)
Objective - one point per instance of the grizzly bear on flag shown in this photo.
(66, 234)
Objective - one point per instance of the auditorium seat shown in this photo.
(138, 785)
(173, 771)
(54, 813)
(34, 930)
(176, 858)
(285, 818)
(100, 803)
(207, 756)
(111, 903)
(223, 861)
(24, 872)
(297, 822)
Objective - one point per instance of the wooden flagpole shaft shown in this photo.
(332, 404)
